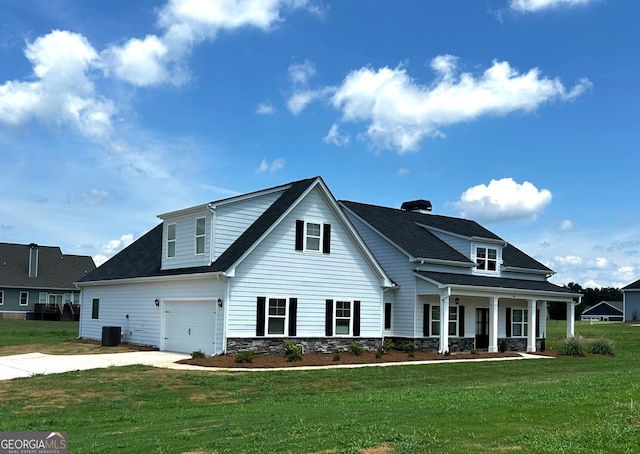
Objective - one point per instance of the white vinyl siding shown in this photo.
(232, 219)
(187, 242)
(274, 268)
(143, 326)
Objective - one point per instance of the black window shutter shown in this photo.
(460, 321)
(299, 235)
(293, 315)
(260, 310)
(328, 324)
(426, 320)
(356, 318)
(508, 322)
(387, 315)
(537, 322)
(326, 239)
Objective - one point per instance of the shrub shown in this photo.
(474, 352)
(244, 357)
(356, 348)
(572, 347)
(379, 353)
(336, 357)
(410, 348)
(386, 346)
(502, 345)
(601, 347)
(292, 351)
(543, 344)
(197, 354)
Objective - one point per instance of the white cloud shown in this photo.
(402, 112)
(139, 62)
(529, 6)
(302, 98)
(274, 166)
(335, 137)
(300, 73)
(94, 196)
(265, 108)
(115, 246)
(403, 171)
(566, 225)
(503, 199)
(62, 92)
(159, 59)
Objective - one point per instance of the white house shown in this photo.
(292, 263)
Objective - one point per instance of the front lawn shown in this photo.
(566, 404)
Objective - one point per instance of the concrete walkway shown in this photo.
(28, 364)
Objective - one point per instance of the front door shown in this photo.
(482, 328)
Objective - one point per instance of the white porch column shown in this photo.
(493, 325)
(543, 319)
(531, 333)
(571, 317)
(444, 325)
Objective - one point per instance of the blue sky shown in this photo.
(520, 114)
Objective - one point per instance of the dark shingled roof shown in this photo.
(403, 228)
(604, 308)
(56, 271)
(143, 258)
(494, 282)
(633, 286)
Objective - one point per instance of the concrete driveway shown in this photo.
(28, 364)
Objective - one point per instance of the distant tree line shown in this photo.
(591, 296)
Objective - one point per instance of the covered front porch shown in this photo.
(467, 312)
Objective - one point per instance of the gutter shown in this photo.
(137, 280)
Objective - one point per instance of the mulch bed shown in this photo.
(327, 359)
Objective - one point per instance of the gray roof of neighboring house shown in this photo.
(143, 258)
(403, 228)
(633, 286)
(494, 282)
(56, 271)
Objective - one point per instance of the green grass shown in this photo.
(24, 332)
(564, 405)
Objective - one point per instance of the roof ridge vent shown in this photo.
(417, 206)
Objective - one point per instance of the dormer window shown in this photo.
(200, 235)
(171, 240)
(486, 259)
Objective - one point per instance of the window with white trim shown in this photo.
(43, 297)
(95, 308)
(519, 322)
(276, 316)
(55, 300)
(200, 235)
(24, 298)
(486, 259)
(171, 240)
(1, 297)
(343, 319)
(313, 236)
(453, 321)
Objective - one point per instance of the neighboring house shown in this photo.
(608, 311)
(38, 281)
(631, 301)
(292, 263)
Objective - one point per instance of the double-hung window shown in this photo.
(453, 320)
(200, 235)
(276, 316)
(95, 308)
(1, 297)
(519, 322)
(343, 318)
(313, 235)
(24, 298)
(171, 240)
(486, 259)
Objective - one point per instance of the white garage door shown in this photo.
(190, 326)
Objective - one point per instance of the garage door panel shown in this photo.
(190, 326)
